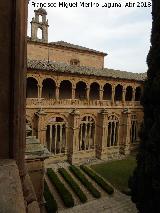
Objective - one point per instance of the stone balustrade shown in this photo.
(35, 102)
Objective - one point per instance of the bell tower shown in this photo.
(39, 26)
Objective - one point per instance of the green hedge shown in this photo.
(51, 204)
(99, 180)
(73, 184)
(76, 171)
(63, 192)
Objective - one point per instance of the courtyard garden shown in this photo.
(117, 172)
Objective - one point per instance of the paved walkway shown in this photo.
(118, 203)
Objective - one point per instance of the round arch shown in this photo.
(138, 94)
(107, 91)
(129, 93)
(49, 88)
(81, 89)
(118, 92)
(32, 88)
(65, 90)
(94, 91)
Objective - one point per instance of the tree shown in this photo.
(145, 182)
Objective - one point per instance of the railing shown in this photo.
(35, 102)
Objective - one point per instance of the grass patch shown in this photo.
(73, 184)
(77, 172)
(51, 204)
(63, 192)
(117, 172)
(99, 180)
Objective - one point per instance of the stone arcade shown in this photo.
(77, 108)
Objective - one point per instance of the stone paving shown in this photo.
(118, 203)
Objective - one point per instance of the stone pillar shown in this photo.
(41, 128)
(88, 90)
(73, 92)
(101, 94)
(125, 146)
(102, 134)
(133, 94)
(113, 94)
(40, 90)
(74, 135)
(123, 95)
(57, 92)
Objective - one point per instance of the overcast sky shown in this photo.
(123, 33)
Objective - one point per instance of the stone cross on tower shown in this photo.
(39, 25)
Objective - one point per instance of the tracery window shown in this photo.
(113, 126)
(56, 135)
(133, 131)
(86, 133)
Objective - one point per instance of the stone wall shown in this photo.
(41, 51)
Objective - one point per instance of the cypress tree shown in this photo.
(145, 181)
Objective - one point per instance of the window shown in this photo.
(74, 62)
(39, 33)
(56, 135)
(86, 133)
(113, 125)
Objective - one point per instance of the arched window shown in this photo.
(74, 62)
(129, 93)
(118, 92)
(32, 88)
(56, 135)
(94, 91)
(81, 90)
(49, 88)
(138, 94)
(39, 33)
(134, 131)
(86, 133)
(107, 92)
(113, 125)
(65, 90)
(40, 18)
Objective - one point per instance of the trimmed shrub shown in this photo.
(73, 184)
(99, 180)
(51, 204)
(61, 189)
(77, 172)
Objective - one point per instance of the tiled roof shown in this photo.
(61, 67)
(66, 44)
